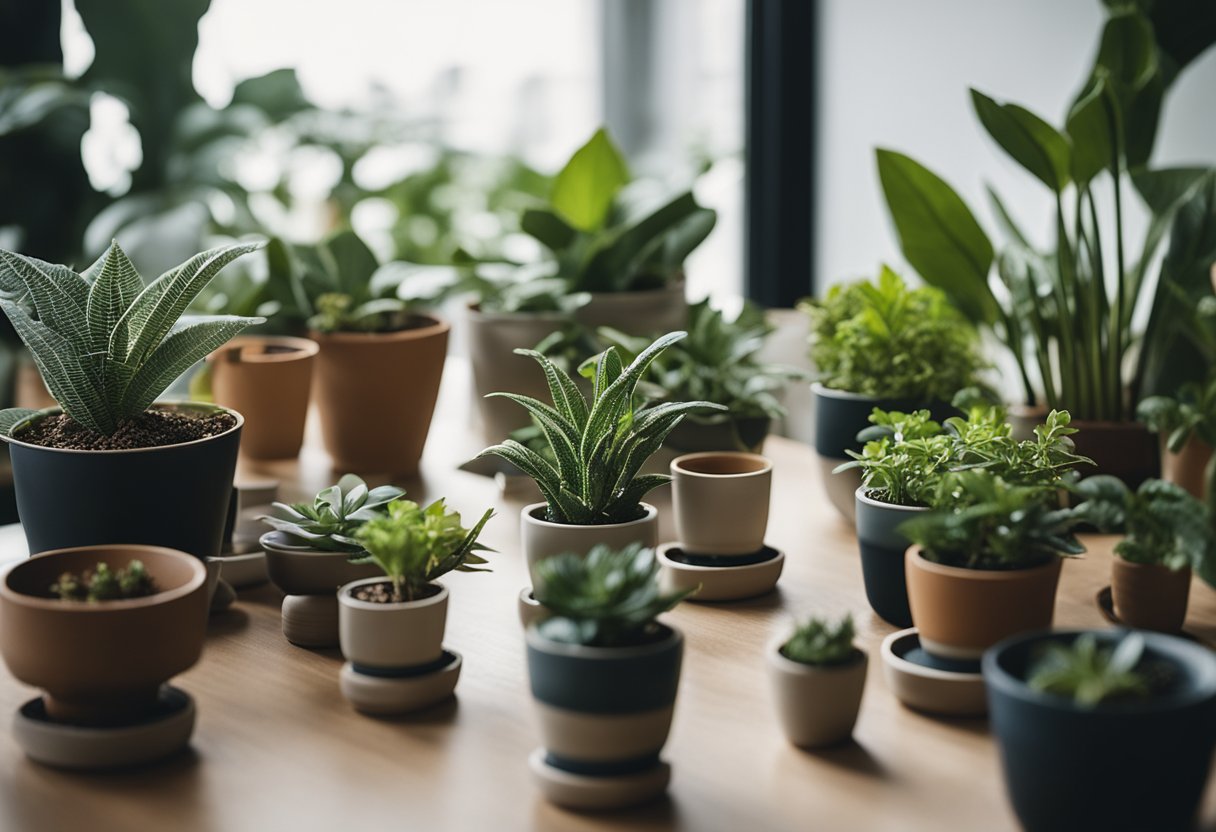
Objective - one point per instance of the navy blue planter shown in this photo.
(720, 434)
(840, 416)
(882, 557)
(175, 496)
(1121, 766)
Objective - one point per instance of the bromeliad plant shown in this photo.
(106, 345)
(416, 546)
(598, 445)
(887, 341)
(610, 598)
(819, 642)
(330, 523)
(1091, 675)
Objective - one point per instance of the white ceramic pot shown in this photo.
(401, 635)
(543, 539)
(817, 705)
(721, 502)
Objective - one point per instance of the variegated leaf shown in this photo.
(60, 296)
(567, 398)
(114, 289)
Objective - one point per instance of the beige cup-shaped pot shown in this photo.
(543, 539)
(407, 634)
(721, 502)
(1149, 596)
(817, 704)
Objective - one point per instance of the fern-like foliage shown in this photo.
(599, 446)
(105, 344)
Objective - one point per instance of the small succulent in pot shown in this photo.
(818, 641)
(101, 583)
(335, 515)
(1091, 674)
(818, 676)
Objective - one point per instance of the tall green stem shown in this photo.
(1116, 321)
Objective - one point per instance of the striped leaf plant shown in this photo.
(107, 345)
(598, 446)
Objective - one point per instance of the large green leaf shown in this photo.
(585, 188)
(548, 228)
(113, 291)
(1184, 30)
(59, 295)
(616, 258)
(277, 93)
(938, 234)
(1164, 188)
(351, 263)
(1092, 126)
(1032, 142)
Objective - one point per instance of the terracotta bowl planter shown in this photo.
(102, 663)
(1126, 450)
(645, 312)
(408, 634)
(542, 539)
(268, 379)
(960, 613)
(1148, 596)
(720, 500)
(817, 705)
(376, 393)
(882, 556)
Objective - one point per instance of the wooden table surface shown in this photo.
(278, 748)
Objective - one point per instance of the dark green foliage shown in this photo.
(1188, 416)
(609, 598)
(335, 515)
(1092, 675)
(104, 584)
(819, 642)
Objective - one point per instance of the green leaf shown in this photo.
(1029, 140)
(1164, 188)
(277, 93)
(567, 398)
(1092, 127)
(115, 288)
(351, 263)
(938, 234)
(616, 258)
(11, 416)
(585, 188)
(59, 295)
(548, 228)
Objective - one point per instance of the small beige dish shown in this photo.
(727, 582)
(580, 792)
(720, 501)
(529, 608)
(386, 695)
(817, 704)
(932, 689)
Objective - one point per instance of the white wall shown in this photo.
(895, 74)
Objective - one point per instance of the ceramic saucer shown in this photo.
(381, 691)
(580, 791)
(929, 683)
(720, 578)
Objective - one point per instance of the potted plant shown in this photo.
(717, 363)
(882, 345)
(63, 615)
(986, 563)
(309, 554)
(593, 491)
(1186, 423)
(902, 465)
(268, 380)
(1168, 533)
(1103, 730)
(818, 676)
(603, 672)
(1067, 314)
(368, 334)
(107, 347)
(391, 627)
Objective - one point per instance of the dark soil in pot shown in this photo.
(382, 593)
(150, 429)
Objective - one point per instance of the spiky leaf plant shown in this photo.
(599, 446)
(820, 642)
(106, 345)
(335, 515)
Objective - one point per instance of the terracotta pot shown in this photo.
(817, 704)
(104, 662)
(647, 312)
(376, 393)
(299, 570)
(1188, 467)
(1126, 450)
(960, 613)
(493, 337)
(542, 539)
(720, 500)
(268, 379)
(409, 634)
(1149, 596)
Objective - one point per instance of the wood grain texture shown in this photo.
(277, 747)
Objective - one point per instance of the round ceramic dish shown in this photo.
(731, 581)
(932, 689)
(410, 690)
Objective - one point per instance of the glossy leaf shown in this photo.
(1029, 140)
(585, 188)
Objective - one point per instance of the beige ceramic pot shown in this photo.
(268, 380)
(402, 635)
(817, 705)
(543, 539)
(376, 393)
(721, 499)
(960, 613)
(104, 662)
(1188, 467)
(1149, 596)
(647, 312)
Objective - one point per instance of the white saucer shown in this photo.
(579, 791)
(927, 684)
(724, 582)
(400, 694)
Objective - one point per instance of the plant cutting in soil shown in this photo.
(104, 584)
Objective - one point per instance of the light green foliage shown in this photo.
(105, 344)
(1091, 675)
(599, 446)
(415, 546)
(906, 455)
(609, 598)
(1163, 523)
(717, 362)
(984, 522)
(335, 515)
(105, 584)
(819, 642)
(885, 340)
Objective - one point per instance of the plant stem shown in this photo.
(1116, 328)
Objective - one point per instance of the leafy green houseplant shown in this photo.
(332, 520)
(1186, 422)
(818, 676)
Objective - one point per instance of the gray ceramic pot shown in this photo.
(882, 556)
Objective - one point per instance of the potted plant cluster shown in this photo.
(313, 550)
(391, 627)
(603, 672)
(101, 630)
(1103, 730)
(882, 345)
(107, 347)
(1186, 423)
(593, 490)
(1168, 535)
(902, 466)
(818, 676)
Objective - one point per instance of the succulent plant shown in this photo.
(1091, 674)
(106, 345)
(819, 642)
(105, 584)
(330, 522)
